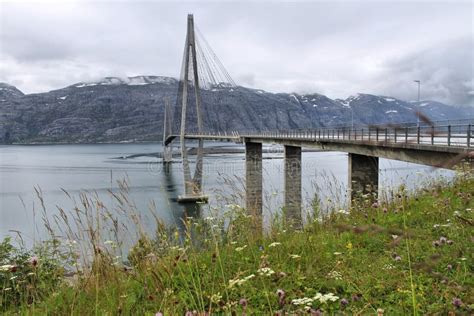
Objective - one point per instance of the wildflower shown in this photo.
(442, 240)
(7, 267)
(274, 244)
(282, 274)
(375, 205)
(394, 236)
(323, 298)
(265, 271)
(385, 210)
(302, 301)
(239, 249)
(159, 314)
(344, 302)
(435, 243)
(295, 256)
(281, 297)
(34, 261)
(449, 242)
(215, 298)
(457, 302)
(356, 297)
(243, 302)
(388, 267)
(335, 275)
(398, 258)
(380, 312)
(315, 312)
(449, 267)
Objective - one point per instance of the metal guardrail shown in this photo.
(461, 135)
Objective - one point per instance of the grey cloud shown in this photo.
(336, 48)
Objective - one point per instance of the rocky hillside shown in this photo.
(131, 109)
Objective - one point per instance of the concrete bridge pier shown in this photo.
(363, 176)
(253, 181)
(167, 154)
(292, 170)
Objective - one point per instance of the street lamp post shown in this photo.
(417, 117)
(352, 117)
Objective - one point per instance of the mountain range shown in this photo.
(132, 109)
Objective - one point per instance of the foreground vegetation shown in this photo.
(412, 256)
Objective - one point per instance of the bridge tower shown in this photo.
(190, 80)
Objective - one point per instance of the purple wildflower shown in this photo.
(315, 312)
(281, 297)
(375, 205)
(344, 302)
(397, 258)
(243, 302)
(189, 313)
(385, 210)
(449, 267)
(356, 297)
(457, 302)
(449, 242)
(435, 243)
(159, 314)
(34, 261)
(443, 239)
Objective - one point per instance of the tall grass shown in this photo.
(407, 255)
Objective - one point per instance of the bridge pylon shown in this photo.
(192, 185)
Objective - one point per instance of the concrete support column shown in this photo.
(363, 176)
(167, 154)
(253, 180)
(293, 185)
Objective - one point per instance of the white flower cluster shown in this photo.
(235, 282)
(239, 249)
(215, 298)
(388, 266)
(265, 271)
(6, 267)
(302, 301)
(322, 298)
(335, 275)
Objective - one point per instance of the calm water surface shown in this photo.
(96, 169)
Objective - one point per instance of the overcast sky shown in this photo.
(337, 48)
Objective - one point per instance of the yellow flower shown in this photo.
(349, 246)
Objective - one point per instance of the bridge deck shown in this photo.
(440, 146)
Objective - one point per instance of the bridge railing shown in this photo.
(436, 135)
(440, 135)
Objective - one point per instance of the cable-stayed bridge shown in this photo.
(439, 144)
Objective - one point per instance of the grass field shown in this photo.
(411, 256)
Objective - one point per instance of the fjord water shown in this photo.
(96, 168)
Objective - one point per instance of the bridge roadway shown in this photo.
(439, 146)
